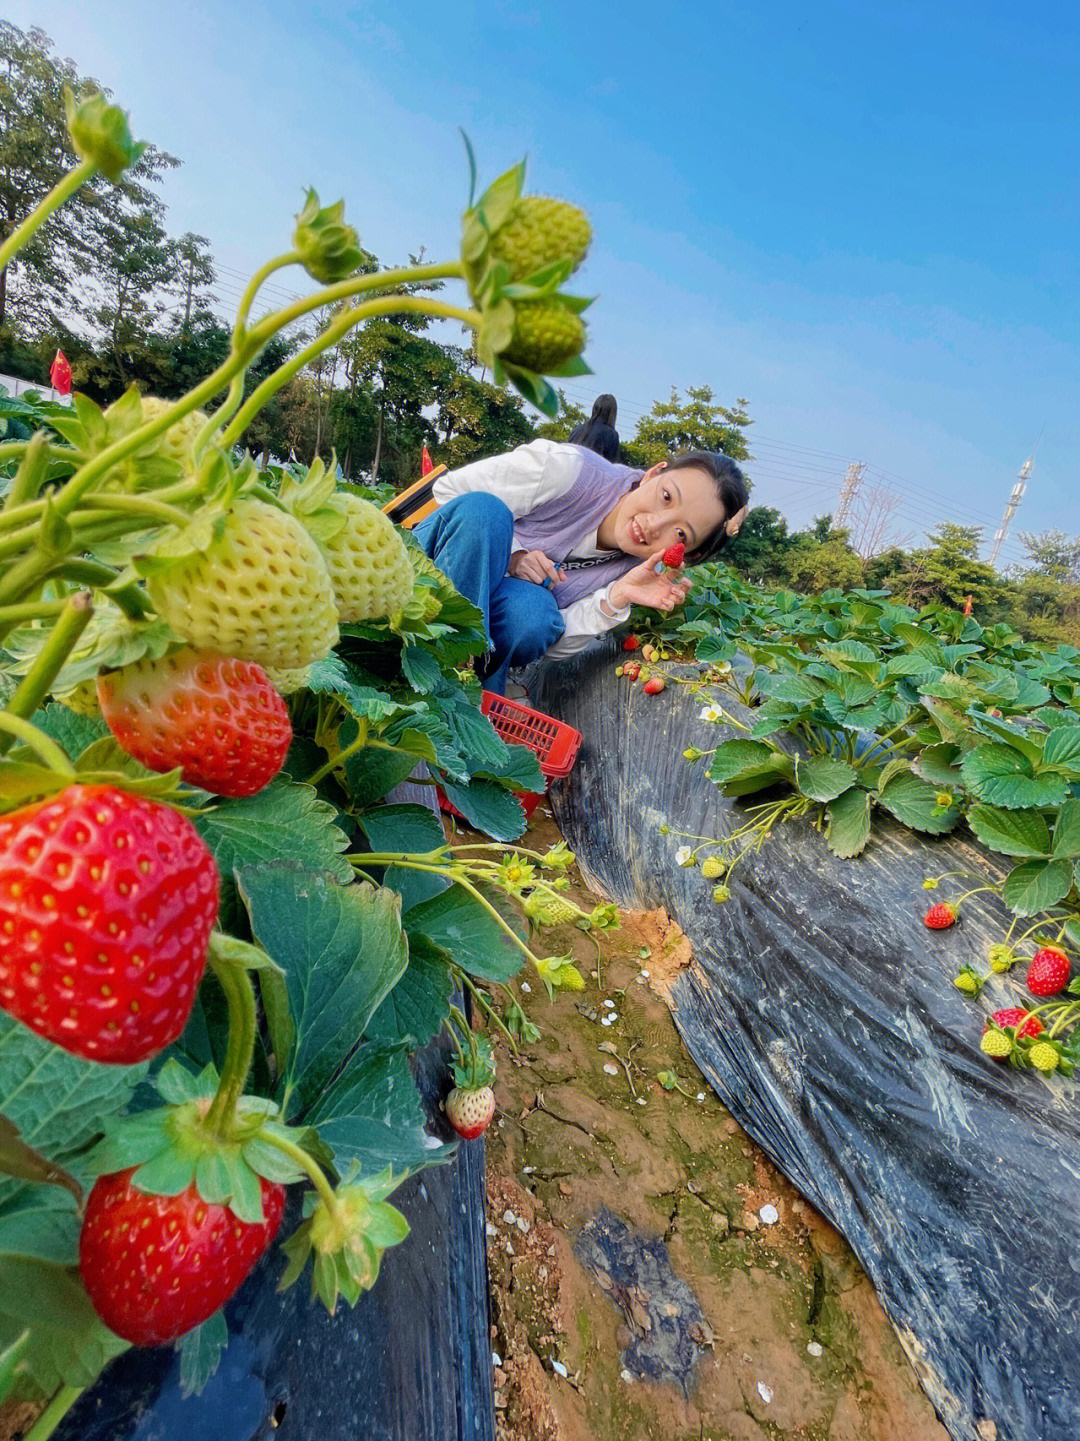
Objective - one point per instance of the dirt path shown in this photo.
(653, 1275)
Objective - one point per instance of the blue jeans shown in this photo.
(469, 539)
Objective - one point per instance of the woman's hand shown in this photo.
(534, 565)
(643, 586)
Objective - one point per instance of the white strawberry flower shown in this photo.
(711, 713)
(684, 856)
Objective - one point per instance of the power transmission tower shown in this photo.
(855, 472)
(1010, 509)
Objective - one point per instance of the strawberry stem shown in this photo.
(50, 660)
(310, 1167)
(240, 1046)
(60, 192)
(54, 1413)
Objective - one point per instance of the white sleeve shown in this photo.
(585, 621)
(524, 478)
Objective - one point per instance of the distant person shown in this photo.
(599, 433)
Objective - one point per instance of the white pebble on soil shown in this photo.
(769, 1214)
(765, 1392)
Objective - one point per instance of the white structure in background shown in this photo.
(1010, 510)
(14, 386)
(855, 472)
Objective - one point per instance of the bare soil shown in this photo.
(640, 1286)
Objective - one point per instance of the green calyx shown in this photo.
(327, 248)
(475, 1067)
(346, 1236)
(100, 133)
(172, 1148)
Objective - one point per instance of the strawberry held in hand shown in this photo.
(673, 556)
(218, 719)
(155, 1267)
(107, 901)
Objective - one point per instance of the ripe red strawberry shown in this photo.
(470, 1111)
(1015, 1017)
(218, 719)
(673, 556)
(157, 1266)
(631, 642)
(1049, 972)
(654, 685)
(107, 901)
(631, 670)
(940, 917)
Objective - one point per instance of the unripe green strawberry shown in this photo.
(178, 440)
(1043, 1056)
(288, 682)
(82, 699)
(540, 230)
(369, 565)
(996, 1044)
(546, 335)
(561, 911)
(260, 591)
(712, 868)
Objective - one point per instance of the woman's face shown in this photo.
(667, 507)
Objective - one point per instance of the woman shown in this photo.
(598, 432)
(554, 544)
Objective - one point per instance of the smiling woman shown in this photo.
(555, 544)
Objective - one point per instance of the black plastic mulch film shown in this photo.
(823, 1014)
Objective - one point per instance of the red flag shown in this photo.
(60, 373)
(967, 606)
(426, 466)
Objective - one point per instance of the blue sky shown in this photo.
(864, 218)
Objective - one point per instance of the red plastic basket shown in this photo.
(554, 744)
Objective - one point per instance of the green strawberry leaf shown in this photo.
(402, 828)
(342, 950)
(417, 1006)
(372, 1114)
(1013, 833)
(914, 803)
(57, 1102)
(742, 766)
(1001, 776)
(1032, 886)
(41, 1222)
(1067, 831)
(848, 823)
(68, 1344)
(420, 668)
(456, 921)
(200, 1353)
(935, 763)
(22, 1162)
(372, 773)
(284, 819)
(1062, 752)
(72, 732)
(488, 807)
(823, 778)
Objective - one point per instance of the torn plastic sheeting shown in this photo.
(824, 1016)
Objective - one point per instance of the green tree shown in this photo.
(570, 416)
(47, 284)
(1050, 553)
(947, 571)
(696, 423)
(760, 549)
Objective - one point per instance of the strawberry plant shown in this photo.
(847, 707)
(221, 940)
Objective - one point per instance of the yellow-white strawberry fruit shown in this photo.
(288, 682)
(260, 591)
(369, 565)
(82, 699)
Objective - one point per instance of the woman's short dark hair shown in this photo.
(731, 487)
(599, 433)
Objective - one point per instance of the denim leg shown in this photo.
(525, 620)
(469, 539)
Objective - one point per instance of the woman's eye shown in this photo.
(667, 496)
(682, 535)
